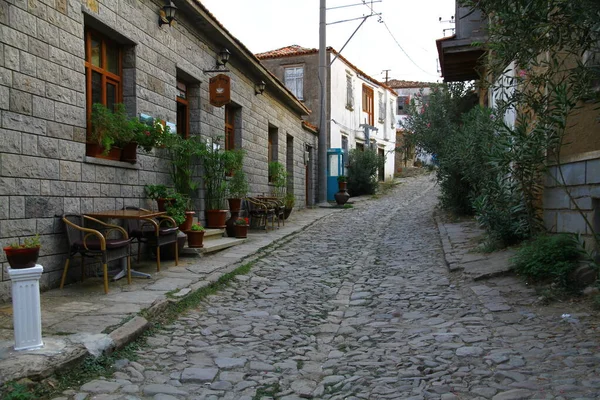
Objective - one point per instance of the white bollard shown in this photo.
(27, 314)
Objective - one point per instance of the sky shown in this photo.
(264, 25)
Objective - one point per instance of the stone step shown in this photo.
(212, 246)
(212, 234)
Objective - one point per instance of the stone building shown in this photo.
(58, 57)
(354, 98)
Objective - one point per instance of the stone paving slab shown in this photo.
(82, 308)
(460, 241)
(369, 312)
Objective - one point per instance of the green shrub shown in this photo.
(549, 258)
(362, 171)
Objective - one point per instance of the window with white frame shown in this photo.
(349, 93)
(294, 80)
(382, 108)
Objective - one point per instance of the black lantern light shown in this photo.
(223, 57)
(259, 88)
(167, 14)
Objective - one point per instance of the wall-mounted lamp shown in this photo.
(167, 14)
(259, 88)
(223, 58)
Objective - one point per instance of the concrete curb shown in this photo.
(446, 245)
(73, 353)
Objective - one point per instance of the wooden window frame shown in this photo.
(368, 103)
(186, 117)
(229, 127)
(106, 76)
(186, 104)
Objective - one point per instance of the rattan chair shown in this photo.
(155, 232)
(260, 212)
(96, 244)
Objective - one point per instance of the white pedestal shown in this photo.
(27, 314)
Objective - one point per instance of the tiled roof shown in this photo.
(310, 126)
(293, 50)
(296, 50)
(400, 84)
(250, 55)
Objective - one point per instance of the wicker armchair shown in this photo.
(95, 243)
(260, 212)
(156, 232)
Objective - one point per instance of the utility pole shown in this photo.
(386, 74)
(323, 127)
(368, 128)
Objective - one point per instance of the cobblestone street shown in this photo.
(361, 306)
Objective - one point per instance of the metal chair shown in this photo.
(95, 244)
(155, 232)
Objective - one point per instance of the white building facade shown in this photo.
(354, 99)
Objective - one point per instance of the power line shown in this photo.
(405, 53)
(395, 40)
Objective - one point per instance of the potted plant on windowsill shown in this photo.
(195, 236)
(110, 131)
(23, 255)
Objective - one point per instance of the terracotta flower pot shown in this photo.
(241, 231)
(235, 204)
(195, 239)
(189, 220)
(97, 151)
(22, 258)
(162, 204)
(129, 153)
(216, 218)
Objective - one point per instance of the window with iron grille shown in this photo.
(382, 108)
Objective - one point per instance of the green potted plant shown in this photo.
(289, 202)
(110, 131)
(217, 163)
(241, 227)
(184, 154)
(237, 189)
(24, 255)
(161, 194)
(277, 178)
(176, 208)
(237, 185)
(195, 236)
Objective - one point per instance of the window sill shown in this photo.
(110, 163)
(350, 108)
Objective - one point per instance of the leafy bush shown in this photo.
(549, 258)
(362, 171)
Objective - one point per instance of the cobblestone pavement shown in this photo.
(361, 306)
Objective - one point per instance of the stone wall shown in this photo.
(582, 177)
(44, 171)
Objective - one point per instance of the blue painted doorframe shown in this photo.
(335, 168)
